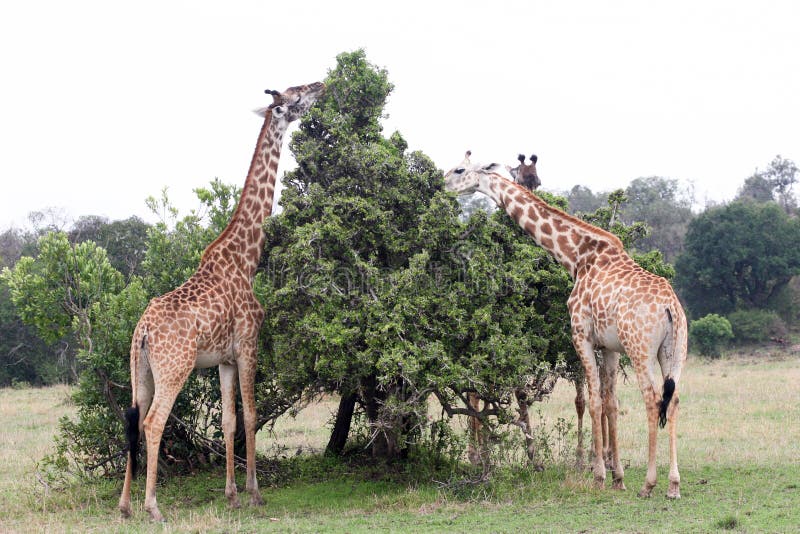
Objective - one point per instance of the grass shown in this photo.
(738, 453)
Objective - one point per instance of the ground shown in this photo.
(738, 454)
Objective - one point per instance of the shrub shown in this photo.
(756, 326)
(709, 334)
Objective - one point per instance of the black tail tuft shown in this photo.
(132, 433)
(666, 396)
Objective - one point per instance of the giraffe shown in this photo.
(526, 175)
(615, 306)
(212, 319)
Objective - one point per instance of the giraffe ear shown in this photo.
(261, 112)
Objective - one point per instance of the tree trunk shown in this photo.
(382, 446)
(341, 428)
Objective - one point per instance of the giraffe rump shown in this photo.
(132, 434)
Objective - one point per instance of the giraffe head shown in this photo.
(466, 178)
(526, 175)
(291, 104)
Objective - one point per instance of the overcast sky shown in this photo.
(104, 103)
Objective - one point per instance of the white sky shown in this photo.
(103, 103)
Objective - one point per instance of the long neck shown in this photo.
(572, 242)
(242, 241)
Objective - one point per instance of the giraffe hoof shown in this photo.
(233, 502)
(645, 492)
(619, 485)
(599, 483)
(156, 516)
(255, 499)
(674, 491)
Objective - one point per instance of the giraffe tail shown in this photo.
(666, 397)
(673, 347)
(132, 434)
(132, 414)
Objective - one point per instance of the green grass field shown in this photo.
(739, 454)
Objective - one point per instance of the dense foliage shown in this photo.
(738, 256)
(376, 290)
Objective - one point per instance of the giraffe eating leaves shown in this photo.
(615, 306)
(212, 319)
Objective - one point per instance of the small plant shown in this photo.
(729, 522)
(710, 334)
(20, 384)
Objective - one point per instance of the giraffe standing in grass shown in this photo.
(527, 176)
(212, 319)
(615, 306)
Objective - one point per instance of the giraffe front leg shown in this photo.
(247, 375)
(674, 491)
(586, 353)
(227, 382)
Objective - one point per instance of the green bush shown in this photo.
(756, 326)
(709, 334)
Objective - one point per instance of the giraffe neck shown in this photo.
(241, 242)
(574, 243)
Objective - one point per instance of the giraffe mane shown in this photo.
(614, 240)
(239, 210)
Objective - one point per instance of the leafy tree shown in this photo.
(737, 257)
(756, 188)
(24, 357)
(377, 290)
(581, 199)
(125, 241)
(776, 183)
(709, 334)
(664, 208)
(56, 292)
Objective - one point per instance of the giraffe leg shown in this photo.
(674, 491)
(227, 382)
(651, 403)
(524, 422)
(247, 377)
(610, 413)
(605, 394)
(580, 408)
(144, 396)
(475, 445)
(154, 423)
(586, 353)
